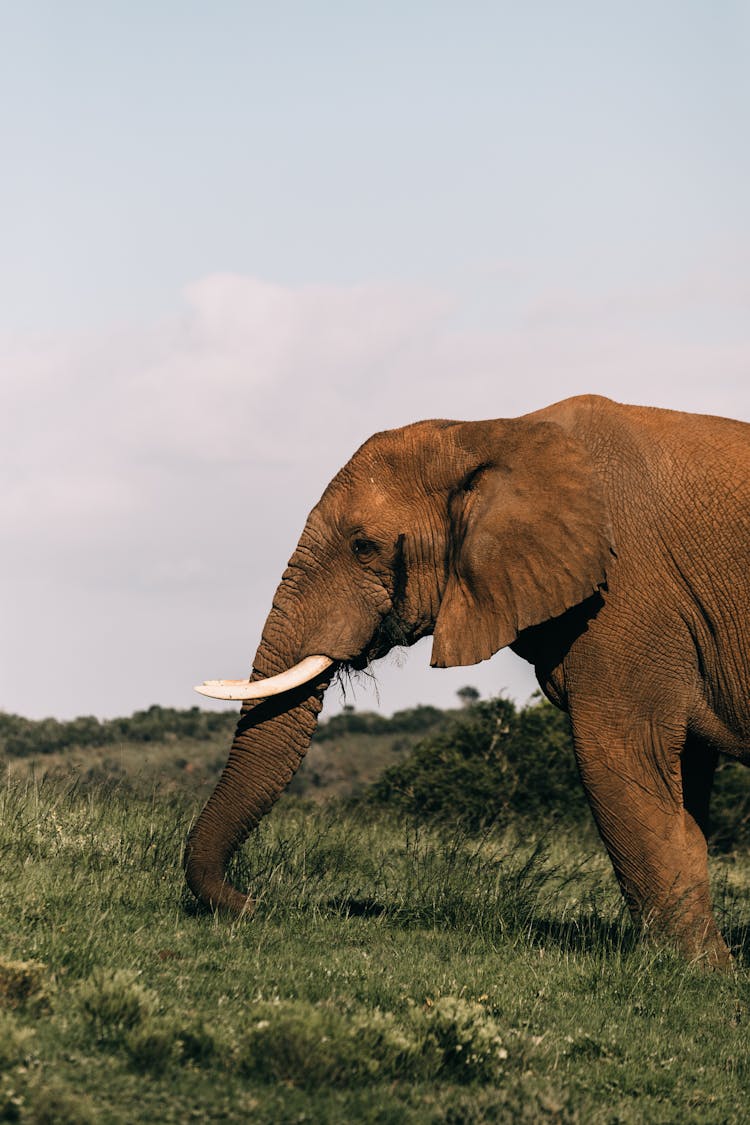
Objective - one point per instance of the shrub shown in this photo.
(351, 722)
(493, 762)
(114, 1003)
(463, 1038)
(15, 1041)
(199, 1045)
(311, 1045)
(489, 763)
(152, 1045)
(22, 981)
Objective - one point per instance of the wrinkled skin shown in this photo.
(609, 545)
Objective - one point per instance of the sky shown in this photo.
(237, 238)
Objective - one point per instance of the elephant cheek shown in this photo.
(344, 630)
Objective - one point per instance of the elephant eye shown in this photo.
(364, 549)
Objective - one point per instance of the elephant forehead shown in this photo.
(353, 505)
(369, 505)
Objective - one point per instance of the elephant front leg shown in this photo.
(633, 776)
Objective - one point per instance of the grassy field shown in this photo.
(390, 973)
(336, 767)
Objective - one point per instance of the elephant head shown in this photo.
(470, 531)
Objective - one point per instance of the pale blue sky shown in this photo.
(147, 144)
(420, 208)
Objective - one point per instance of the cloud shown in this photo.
(157, 476)
(219, 386)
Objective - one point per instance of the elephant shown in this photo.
(606, 544)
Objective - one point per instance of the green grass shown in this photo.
(390, 973)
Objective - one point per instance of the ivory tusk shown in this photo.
(307, 669)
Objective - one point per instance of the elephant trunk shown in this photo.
(271, 739)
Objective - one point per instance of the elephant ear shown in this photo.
(529, 538)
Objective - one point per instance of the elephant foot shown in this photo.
(711, 955)
(701, 945)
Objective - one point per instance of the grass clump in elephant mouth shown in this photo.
(390, 634)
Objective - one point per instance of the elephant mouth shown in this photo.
(391, 633)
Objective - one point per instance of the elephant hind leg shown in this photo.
(649, 805)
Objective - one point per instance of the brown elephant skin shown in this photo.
(608, 545)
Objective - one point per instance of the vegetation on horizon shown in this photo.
(20, 737)
(488, 761)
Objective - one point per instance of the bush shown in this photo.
(114, 1004)
(465, 1039)
(490, 763)
(15, 1042)
(22, 982)
(312, 1045)
(493, 762)
(152, 1045)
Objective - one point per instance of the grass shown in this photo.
(389, 973)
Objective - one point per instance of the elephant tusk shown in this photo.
(307, 669)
